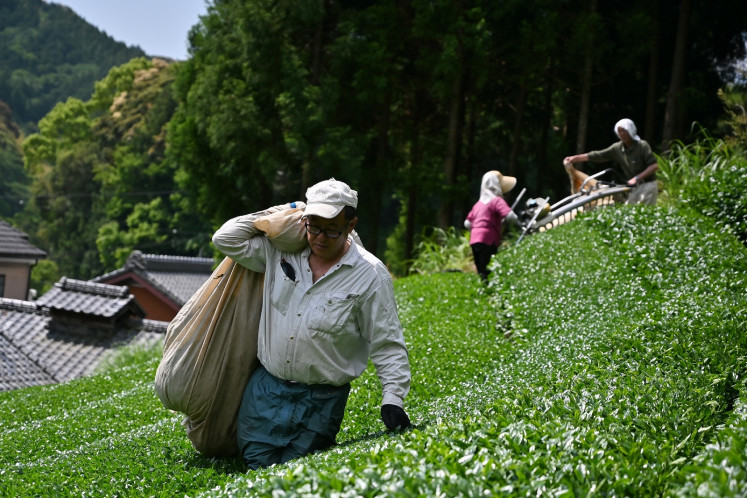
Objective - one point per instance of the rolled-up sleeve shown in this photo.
(242, 242)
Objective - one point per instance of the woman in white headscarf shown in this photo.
(485, 219)
(633, 156)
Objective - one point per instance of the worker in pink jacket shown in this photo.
(485, 219)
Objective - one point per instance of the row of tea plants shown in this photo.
(604, 357)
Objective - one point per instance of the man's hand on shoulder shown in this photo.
(394, 417)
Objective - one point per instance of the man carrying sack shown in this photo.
(326, 310)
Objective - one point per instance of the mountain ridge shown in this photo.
(50, 53)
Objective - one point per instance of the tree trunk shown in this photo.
(316, 63)
(453, 150)
(469, 156)
(516, 141)
(583, 113)
(542, 160)
(377, 177)
(413, 175)
(653, 76)
(677, 81)
(318, 44)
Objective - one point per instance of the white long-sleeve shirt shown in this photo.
(323, 332)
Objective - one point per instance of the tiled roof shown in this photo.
(176, 277)
(90, 298)
(18, 369)
(15, 244)
(35, 352)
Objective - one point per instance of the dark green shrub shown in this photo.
(720, 194)
(442, 250)
(710, 177)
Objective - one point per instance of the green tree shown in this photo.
(44, 275)
(60, 159)
(101, 187)
(142, 202)
(14, 182)
(49, 54)
(249, 115)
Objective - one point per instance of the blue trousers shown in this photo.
(280, 420)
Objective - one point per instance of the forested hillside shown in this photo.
(47, 54)
(101, 187)
(13, 179)
(409, 102)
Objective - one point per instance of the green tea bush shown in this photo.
(710, 177)
(605, 357)
(721, 195)
(645, 311)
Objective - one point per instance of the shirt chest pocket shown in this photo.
(282, 292)
(334, 313)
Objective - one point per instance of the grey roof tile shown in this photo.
(17, 370)
(15, 244)
(176, 277)
(79, 296)
(33, 352)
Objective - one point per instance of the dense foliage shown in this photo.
(606, 357)
(709, 176)
(409, 102)
(101, 186)
(13, 179)
(49, 54)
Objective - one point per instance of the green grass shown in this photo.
(606, 357)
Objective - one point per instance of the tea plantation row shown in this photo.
(607, 356)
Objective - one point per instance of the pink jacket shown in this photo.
(487, 221)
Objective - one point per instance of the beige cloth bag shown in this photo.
(210, 348)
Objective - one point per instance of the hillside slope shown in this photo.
(49, 54)
(607, 356)
(13, 179)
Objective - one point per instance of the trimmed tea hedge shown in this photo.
(606, 356)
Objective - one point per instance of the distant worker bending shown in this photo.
(635, 159)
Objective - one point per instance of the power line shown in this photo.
(98, 194)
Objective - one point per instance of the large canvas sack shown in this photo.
(209, 353)
(210, 348)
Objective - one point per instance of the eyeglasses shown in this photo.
(330, 234)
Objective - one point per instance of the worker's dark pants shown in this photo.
(280, 420)
(482, 254)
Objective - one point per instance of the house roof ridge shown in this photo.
(158, 326)
(165, 262)
(177, 257)
(95, 288)
(18, 232)
(9, 304)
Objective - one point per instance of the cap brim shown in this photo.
(322, 210)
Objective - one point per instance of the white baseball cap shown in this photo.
(326, 199)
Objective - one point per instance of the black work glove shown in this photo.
(394, 417)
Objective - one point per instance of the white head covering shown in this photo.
(494, 184)
(326, 199)
(629, 126)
